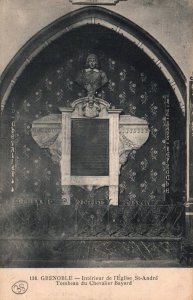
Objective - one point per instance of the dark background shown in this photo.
(135, 85)
(138, 87)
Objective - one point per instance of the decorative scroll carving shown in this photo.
(90, 107)
(133, 133)
(46, 132)
(55, 149)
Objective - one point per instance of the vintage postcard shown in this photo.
(96, 183)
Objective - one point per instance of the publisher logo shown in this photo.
(20, 287)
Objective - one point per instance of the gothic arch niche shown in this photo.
(150, 208)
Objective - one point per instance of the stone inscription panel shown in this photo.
(90, 147)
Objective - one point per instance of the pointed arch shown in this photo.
(103, 17)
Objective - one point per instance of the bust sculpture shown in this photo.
(91, 78)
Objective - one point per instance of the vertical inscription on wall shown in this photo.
(90, 147)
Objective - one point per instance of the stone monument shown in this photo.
(90, 140)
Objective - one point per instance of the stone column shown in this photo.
(66, 154)
(189, 203)
(114, 155)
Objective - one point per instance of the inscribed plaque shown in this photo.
(90, 147)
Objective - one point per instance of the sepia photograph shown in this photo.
(96, 138)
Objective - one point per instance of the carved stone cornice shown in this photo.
(95, 2)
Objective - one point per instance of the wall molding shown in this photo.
(96, 2)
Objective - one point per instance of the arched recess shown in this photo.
(26, 84)
(103, 17)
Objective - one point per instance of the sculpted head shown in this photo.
(92, 61)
